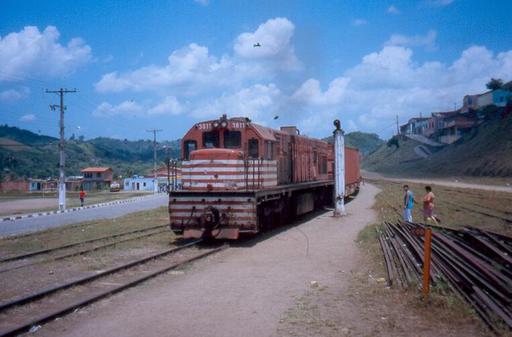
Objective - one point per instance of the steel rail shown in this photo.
(48, 250)
(70, 308)
(81, 252)
(89, 278)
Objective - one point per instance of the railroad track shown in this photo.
(83, 250)
(475, 211)
(53, 249)
(20, 314)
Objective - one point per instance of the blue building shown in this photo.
(500, 97)
(139, 183)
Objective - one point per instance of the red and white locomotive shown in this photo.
(241, 177)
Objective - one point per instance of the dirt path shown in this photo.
(441, 182)
(244, 291)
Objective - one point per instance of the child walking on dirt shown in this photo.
(82, 197)
(428, 205)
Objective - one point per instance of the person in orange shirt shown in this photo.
(428, 205)
(82, 197)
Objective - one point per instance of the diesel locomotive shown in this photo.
(239, 177)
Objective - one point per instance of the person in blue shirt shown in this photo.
(408, 203)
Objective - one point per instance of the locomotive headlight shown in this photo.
(224, 124)
(216, 124)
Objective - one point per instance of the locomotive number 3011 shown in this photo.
(233, 125)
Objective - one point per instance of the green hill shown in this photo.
(485, 151)
(365, 142)
(26, 154)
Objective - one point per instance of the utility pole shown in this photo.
(155, 181)
(397, 126)
(62, 158)
(168, 162)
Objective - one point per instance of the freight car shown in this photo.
(240, 177)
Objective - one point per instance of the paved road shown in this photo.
(441, 182)
(108, 212)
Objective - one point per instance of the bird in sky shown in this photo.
(256, 45)
(276, 117)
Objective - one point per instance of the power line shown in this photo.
(62, 179)
(155, 182)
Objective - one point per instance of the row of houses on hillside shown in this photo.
(447, 127)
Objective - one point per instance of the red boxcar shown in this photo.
(240, 177)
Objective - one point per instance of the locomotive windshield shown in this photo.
(232, 139)
(211, 139)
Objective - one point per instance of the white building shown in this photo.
(139, 183)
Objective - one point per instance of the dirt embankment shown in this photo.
(486, 151)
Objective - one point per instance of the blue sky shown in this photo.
(168, 64)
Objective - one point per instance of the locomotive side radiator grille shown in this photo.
(228, 174)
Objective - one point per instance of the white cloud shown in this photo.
(14, 94)
(190, 68)
(359, 22)
(393, 10)
(389, 83)
(258, 102)
(428, 40)
(169, 106)
(126, 108)
(271, 41)
(39, 53)
(367, 96)
(311, 93)
(28, 118)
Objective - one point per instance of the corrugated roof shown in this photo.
(96, 169)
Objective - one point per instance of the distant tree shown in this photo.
(72, 137)
(81, 138)
(494, 83)
(393, 142)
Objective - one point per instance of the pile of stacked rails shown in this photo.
(475, 264)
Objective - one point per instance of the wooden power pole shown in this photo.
(155, 182)
(62, 158)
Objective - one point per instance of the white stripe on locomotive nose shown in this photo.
(240, 185)
(197, 213)
(213, 168)
(228, 161)
(227, 177)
